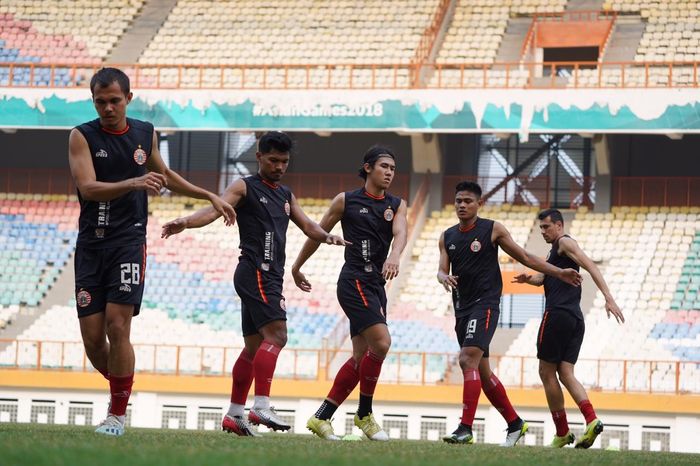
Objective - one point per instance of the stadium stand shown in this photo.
(671, 33)
(47, 31)
(337, 33)
(642, 252)
(36, 242)
(478, 27)
(79, 33)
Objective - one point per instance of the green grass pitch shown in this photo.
(31, 444)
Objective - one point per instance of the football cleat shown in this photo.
(561, 442)
(111, 426)
(372, 430)
(322, 428)
(593, 429)
(238, 425)
(513, 437)
(462, 434)
(267, 417)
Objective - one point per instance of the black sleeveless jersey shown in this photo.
(367, 223)
(263, 217)
(474, 260)
(560, 295)
(116, 157)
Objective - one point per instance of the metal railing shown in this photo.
(402, 367)
(507, 75)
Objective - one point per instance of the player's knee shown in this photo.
(566, 377)
(381, 347)
(278, 338)
(117, 331)
(467, 361)
(94, 345)
(546, 374)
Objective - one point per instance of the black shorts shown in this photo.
(477, 326)
(111, 275)
(261, 297)
(560, 337)
(363, 302)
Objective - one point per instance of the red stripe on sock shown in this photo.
(370, 368)
(345, 382)
(120, 391)
(587, 410)
(264, 364)
(470, 395)
(560, 422)
(496, 393)
(242, 378)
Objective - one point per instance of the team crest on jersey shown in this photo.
(83, 298)
(388, 214)
(101, 154)
(475, 246)
(287, 208)
(140, 156)
(283, 304)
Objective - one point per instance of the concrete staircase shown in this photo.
(135, 40)
(513, 40)
(625, 39)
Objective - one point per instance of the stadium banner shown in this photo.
(435, 111)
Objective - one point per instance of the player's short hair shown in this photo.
(469, 186)
(275, 141)
(372, 155)
(554, 214)
(106, 76)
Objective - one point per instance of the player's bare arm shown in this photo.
(83, 173)
(449, 282)
(178, 184)
(232, 196)
(570, 247)
(310, 228)
(329, 220)
(534, 279)
(501, 236)
(390, 270)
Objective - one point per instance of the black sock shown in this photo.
(515, 426)
(462, 428)
(365, 406)
(326, 410)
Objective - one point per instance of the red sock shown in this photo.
(120, 389)
(264, 364)
(242, 375)
(370, 368)
(494, 391)
(587, 410)
(470, 395)
(345, 382)
(560, 422)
